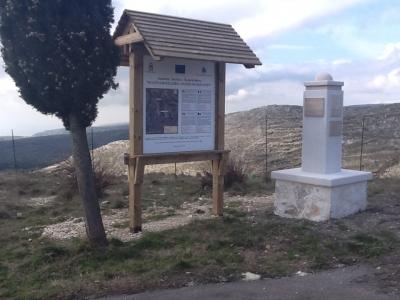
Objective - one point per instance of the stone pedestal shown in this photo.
(321, 189)
(317, 197)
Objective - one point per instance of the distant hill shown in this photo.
(9, 138)
(60, 131)
(245, 137)
(42, 151)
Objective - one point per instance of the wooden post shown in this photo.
(136, 167)
(218, 166)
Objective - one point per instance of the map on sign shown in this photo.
(162, 111)
(179, 105)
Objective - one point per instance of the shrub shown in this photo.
(206, 180)
(235, 175)
(103, 179)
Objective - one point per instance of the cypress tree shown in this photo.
(63, 60)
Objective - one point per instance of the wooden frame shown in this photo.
(137, 161)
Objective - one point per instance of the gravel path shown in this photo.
(115, 222)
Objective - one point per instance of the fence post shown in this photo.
(13, 149)
(362, 142)
(266, 147)
(176, 176)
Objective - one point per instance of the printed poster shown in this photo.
(179, 105)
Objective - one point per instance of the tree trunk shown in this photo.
(86, 184)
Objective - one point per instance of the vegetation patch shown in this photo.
(208, 250)
(204, 251)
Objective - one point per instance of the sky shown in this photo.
(357, 41)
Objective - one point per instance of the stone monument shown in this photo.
(321, 189)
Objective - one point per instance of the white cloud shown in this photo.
(7, 85)
(265, 93)
(255, 19)
(275, 16)
(288, 47)
(368, 80)
(341, 62)
(391, 51)
(352, 38)
(240, 95)
(390, 80)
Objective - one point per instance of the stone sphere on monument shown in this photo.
(323, 77)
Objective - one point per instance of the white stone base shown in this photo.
(319, 197)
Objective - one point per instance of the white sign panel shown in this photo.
(179, 105)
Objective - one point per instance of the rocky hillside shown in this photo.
(246, 138)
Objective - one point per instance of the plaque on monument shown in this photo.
(314, 107)
(335, 128)
(337, 106)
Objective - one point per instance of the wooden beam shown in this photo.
(218, 171)
(220, 106)
(136, 220)
(128, 39)
(154, 159)
(218, 165)
(136, 168)
(136, 113)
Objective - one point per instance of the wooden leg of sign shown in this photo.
(131, 180)
(218, 171)
(136, 173)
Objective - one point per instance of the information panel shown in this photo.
(179, 105)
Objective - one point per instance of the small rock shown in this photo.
(30, 240)
(19, 215)
(248, 276)
(105, 202)
(301, 273)
(190, 283)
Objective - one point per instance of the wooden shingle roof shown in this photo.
(167, 36)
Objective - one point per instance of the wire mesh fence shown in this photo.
(370, 142)
(271, 140)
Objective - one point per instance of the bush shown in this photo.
(103, 179)
(235, 175)
(206, 180)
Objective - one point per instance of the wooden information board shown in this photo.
(176, 95)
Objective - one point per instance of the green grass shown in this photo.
(213, 250)
(209, 250)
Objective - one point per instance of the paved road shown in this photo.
(342, 284)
